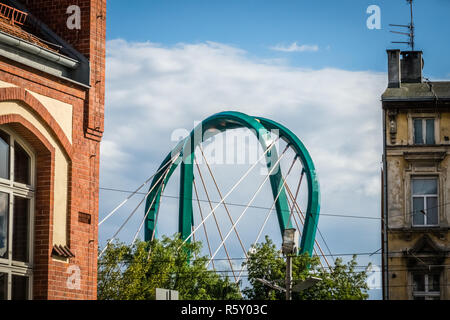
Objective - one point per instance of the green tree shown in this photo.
(134, 272)
(342, 282)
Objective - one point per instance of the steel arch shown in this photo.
(260, 127)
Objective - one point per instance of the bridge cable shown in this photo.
(320, 233)
(131, 214)
(232, 189)
(296, 195)
(302, 218)
(275, 166)
(302, 223)
(136, 191)
(224, 204)
(150, 208)
(270, 210)
(292, 214)
(204, 225)
(215, 217)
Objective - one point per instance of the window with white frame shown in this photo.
(424, 132)
(425, 202)
(426, 286)
(16, 216)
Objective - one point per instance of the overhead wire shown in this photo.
(252, 206)
(131, 215)
(136, 191)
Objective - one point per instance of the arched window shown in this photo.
(17, 184)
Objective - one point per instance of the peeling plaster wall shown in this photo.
(400, 169)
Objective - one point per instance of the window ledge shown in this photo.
(420, 229)
(425, 156)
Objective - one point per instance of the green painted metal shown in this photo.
(313, 208)
(260, 127)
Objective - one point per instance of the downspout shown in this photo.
(385, 216)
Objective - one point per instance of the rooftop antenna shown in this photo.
(410, 26)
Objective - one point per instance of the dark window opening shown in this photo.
(21, 232)
(4, 215)
(19, 288)
(4, 155)
(424, 132)
(21, 165)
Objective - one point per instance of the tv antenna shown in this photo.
(410, 26)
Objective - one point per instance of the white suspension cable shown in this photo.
(273, 205)
(275, 166)
(136, 191)
(231, 190)
(149, 208)
(224, 204)
(296, 194)
(270, 211)
(301, 218)
(129, 217)
(204, 226)
(215, 219)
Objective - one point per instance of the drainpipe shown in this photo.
(37, 50)
(385, 216)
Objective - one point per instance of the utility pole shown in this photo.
(288, 277)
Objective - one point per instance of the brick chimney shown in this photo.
(394, 73)
(411, 66)
(404, 67)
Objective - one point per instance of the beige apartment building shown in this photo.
(416, 185)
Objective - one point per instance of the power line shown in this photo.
(191, 272)
(243, 205)
(337, 255)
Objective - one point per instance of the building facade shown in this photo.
(52, 80)
(416, 182)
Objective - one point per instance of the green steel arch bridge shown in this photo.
(269, 135)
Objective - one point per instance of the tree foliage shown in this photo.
(134, 272)
(342, 282)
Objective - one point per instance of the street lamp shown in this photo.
(300, 285)
(289, 247)
(305, 284)
(290, 241)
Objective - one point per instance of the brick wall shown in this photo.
(49, 275)
(85, 40)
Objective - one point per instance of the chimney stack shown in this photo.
(404, 67)
(411, 67)
(394, 74)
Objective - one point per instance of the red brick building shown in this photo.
(52, 80)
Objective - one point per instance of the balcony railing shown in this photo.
(13, 15)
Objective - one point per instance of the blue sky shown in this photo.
(337, 27)
(313, 66)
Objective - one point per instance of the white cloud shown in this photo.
(294, 47)
(153, 90)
